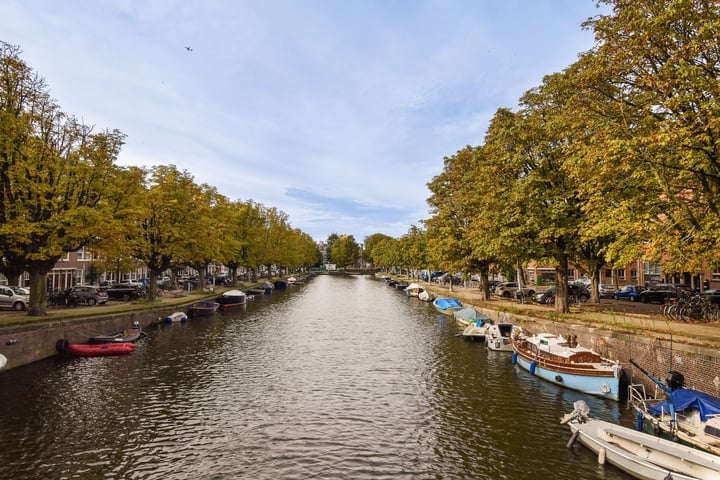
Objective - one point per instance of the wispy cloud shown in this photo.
(338, 113)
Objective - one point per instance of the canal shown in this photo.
(342, 377)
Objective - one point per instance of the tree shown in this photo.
(345, 251)
(156, 234)
(54, 176)
(657, 63)
(370, 242)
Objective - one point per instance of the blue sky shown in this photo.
(337, 112)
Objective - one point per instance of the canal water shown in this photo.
(342, 377)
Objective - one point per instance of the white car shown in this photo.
(10, 299)
(508, 289)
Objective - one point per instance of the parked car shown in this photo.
(628, 292)
(577, 289)
(659, 293)
(713, 295)
(606, 291)
(125, 291)
(11, 299)
(87, 294)
(508, 289)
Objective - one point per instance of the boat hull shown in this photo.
(204, 308)
(599, 386)
(177, 317)
(129, 335)
(447, 306)
(99, 350)
(644, 456)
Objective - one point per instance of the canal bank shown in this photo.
(657, 344)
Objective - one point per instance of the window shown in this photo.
(716, 275)
(621, 274)
(633, 274)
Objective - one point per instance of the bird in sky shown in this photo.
(189, 49)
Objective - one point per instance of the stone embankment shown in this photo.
(24, 342)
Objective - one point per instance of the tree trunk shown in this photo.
(561, 286)
(38, 294)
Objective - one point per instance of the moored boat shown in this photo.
(447, 306)
(687, 415)
(98, 350)
(499, 336)
(131, 335)
(639, 454)
(468, 315)
(176, 317)
(204, 307)
(3, 361)
(563, 362)
(477, 330)
(414, 289)
(232, 299)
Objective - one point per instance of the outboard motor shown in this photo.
(674, 380)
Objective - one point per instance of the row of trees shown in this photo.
(615, 158)
(60, 190)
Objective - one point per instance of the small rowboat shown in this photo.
(204, 307)
(128, 335)
(99, 350)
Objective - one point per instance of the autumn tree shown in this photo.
(54, 175)
(345, 251)
(657, 63)
(156, 235)
(370, 242)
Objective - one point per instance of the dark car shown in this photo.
(125, 291)
(713, 295)
(87, 294)
(578, 290)
(628, 292)
(659, 293)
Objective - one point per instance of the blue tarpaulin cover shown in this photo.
(446, 303)
(685, 398)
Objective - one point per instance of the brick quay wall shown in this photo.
(24, 344)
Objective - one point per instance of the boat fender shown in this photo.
(61, 345)
(558, 378)
(639, 422)
(514, 358)
(533, 365)
(601, 456)
(574, 437)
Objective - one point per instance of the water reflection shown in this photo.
(343, 377)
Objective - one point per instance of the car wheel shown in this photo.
(91, 301)
(583, 298)
(632, 299)
(645, 299)
(615, 297)
(125, 297)
(506, 294)
(18, 306)
(531, 293)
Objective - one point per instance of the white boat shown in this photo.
(3, 361)
(563, 362)
(425, 296)
(176, 317)
(690, 416)
(641, 455)
(499, 336)
(414, 289)
(477, 330)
